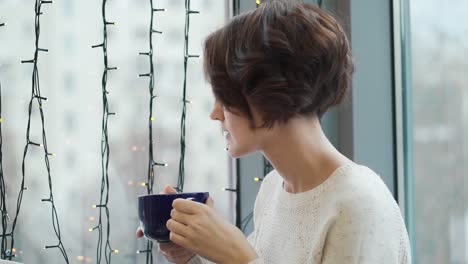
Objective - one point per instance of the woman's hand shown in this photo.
(197, 227)
(172, 252)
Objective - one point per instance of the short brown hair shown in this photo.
(284, 58)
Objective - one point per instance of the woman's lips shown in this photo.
(226, 134)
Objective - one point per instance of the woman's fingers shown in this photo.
(180, 217)
(178, 239)
(210, 202)
(178, 228)
(187, 206)
(168, 189)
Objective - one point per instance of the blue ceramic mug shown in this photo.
(154, 210)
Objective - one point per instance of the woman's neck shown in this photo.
(302, 154)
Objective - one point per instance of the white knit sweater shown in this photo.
(350, 218)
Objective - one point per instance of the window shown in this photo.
(439, 191)
(73, 114)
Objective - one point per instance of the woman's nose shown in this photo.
(217, 112)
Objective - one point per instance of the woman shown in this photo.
(274, 72)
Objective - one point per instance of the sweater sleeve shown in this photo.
(251, 238)
(367, 231)
(199, 260)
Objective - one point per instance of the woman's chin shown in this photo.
(237, 153)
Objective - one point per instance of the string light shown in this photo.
(149, 184)
(159, 164)
(187, 56)
(267, 167)
(245, 222)
(105, 150)
(3, 207)
(54, 246)
(36, 95)
(238, 209)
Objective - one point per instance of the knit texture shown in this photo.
(350, 218)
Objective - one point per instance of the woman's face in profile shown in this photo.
(241, 138)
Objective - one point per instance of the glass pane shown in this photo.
(70, 78)
(439, 34)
